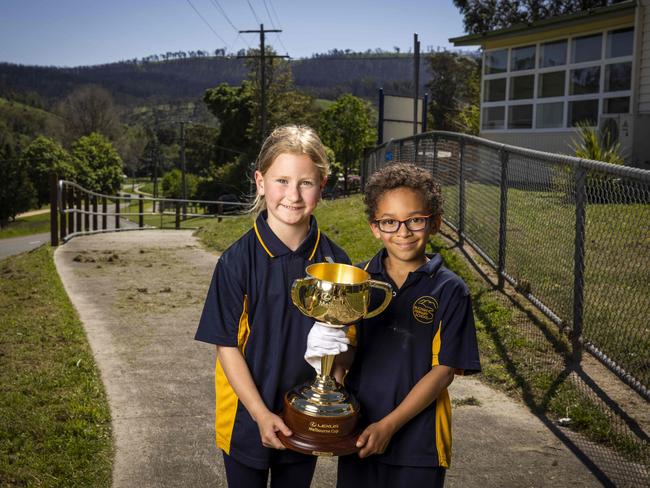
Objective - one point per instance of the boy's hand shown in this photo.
(268, 425)
(375, 439)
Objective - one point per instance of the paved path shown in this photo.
(16, 245)
(139, 295)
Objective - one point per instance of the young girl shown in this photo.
(260, 335)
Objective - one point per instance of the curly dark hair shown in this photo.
(402, 175)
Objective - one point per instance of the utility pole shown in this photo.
(262, 57)
(183, 179)
(416, 81)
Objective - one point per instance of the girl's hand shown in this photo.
(375, 439)
(268, 425)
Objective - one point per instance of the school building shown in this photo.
(539, 80)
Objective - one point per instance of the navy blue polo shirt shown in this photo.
(249, 306)
(429, 322)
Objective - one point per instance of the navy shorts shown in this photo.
(293, 475)
(356, 473)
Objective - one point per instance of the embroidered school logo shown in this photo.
(424, 309)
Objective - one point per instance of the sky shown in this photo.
(88, 32)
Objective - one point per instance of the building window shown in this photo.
(550, 115)
(496, 62)
(618, 77)
(618, 105)
(551, 84)
(522, 87)
(552, 54)
(620, 43)
(495, 90)
(520, 117)
(523, 58)
(587, 48)
(585, 80)
(494, 117)
(554, 85)
(585, 111)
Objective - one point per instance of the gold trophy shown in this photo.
(321, 414)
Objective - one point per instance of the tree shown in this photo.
(98, 165)
(200, 148)
(131, 146)
(42, 157)
(480, 16)
(172, 186)
(17, 193)
(90, 109)
(345, 128)
(454, 87)
(231, 105)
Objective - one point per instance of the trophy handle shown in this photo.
(295, 293)
(388, 290)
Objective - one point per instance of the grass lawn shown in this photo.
(24, 226)
(527, 361)
(540, 252)
(55, 422)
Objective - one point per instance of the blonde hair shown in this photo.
(290, 139)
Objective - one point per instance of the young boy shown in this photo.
(407, 356)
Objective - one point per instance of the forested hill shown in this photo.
(134, 82)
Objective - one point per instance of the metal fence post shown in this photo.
(461, 195)
(104, 212)
(62, 198)
(503, 218)
(141, 210)
(94, 212)
(178, 215)
(579, 263)
(71, 210)
(79, 207)
(117, 213)
(54, 214)
(87, 214)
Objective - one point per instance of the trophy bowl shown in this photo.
(322, 415)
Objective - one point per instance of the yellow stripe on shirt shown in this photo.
(226, 398)
(443, 409)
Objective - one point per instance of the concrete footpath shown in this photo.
(140, 294)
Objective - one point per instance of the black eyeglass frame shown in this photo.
(426, 218)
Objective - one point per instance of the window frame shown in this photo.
(601, 95)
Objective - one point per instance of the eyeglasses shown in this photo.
(413, 224)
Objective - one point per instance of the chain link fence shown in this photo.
(570, 235)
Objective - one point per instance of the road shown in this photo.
(16, 245)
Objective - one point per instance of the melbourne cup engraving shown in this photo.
(322, 415)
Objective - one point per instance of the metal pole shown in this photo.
(183, 170)
(54, 214)
(62, 197)
(416, 81)
(425, 104)
(461, 195)
(104, 212)
(79, 207)
(503, 218)
(117, 213)
(263, 81)
(94, 212)
(155, 176)
(178, 215)
(579, 264)
(87, 210)
(141, 210)
(380, 120)
(71, 209)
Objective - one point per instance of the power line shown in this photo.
(206, 22)
(218, 6)
(276, 15)
(253, 10)
(277, 36)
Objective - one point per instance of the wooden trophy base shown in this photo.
(320, 435)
